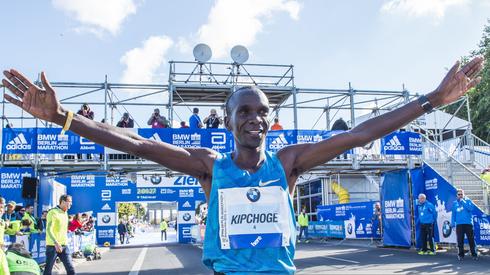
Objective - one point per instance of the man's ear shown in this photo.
(227, 123)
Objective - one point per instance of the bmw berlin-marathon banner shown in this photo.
(350, 220)
(11, 183)
(395, 206)
(442, 194)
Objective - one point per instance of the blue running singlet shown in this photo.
(250, 227)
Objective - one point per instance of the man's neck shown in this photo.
(248, 159)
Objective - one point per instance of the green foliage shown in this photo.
(125, 210)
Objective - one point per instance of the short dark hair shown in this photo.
(195, 110)
(243, 88)
(64, 197)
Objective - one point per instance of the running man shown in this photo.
(250, 224)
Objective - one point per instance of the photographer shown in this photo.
(86, 111)
(158, 121)
(125, 122)
(213, 120)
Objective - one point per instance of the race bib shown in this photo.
(254, 217)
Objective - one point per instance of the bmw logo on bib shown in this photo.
(253, 194)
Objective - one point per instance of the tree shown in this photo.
(480, 96)
(125, 210)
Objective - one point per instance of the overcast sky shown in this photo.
(375, 44)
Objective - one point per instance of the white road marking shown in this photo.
(135, 270)
(342, 260)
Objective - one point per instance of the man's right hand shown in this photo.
(58, 247)
(39, 102)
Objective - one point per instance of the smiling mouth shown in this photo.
(255, 132)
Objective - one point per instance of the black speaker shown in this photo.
(29, 188)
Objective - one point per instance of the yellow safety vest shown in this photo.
(303, 220)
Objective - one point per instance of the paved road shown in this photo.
(310, 259)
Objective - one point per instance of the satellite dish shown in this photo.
(202, 53)
(239, 54)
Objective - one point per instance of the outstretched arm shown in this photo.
(43, 104)
(297, 159)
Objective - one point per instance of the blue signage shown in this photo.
(395, 206)
(11, 183)
(19, 140)
(401, 143)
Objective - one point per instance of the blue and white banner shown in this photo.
(19, 140)
(49, 141)
(11, 183)
(442, 194)
(395, 205)
(356, 218)
(401, 143)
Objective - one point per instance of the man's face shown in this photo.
(30, 209)
(10, 208)
(248, 118)
(421, 199)
(65, 205)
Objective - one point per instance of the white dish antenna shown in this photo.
(239, 54)
(202, 53)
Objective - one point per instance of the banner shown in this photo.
(49, 141)
(442, 194)
(395, 205)
(356, 218)
(11, 183)
(401, 143)
(19, 140)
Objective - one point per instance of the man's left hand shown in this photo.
(457, 82)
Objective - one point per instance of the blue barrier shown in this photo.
(49, 140)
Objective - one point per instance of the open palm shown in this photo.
(39, 102)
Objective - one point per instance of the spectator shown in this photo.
(340, 125)
(163, 229)
(76, 223)
(3, 223)
(485, 175)
(25, 228)
(122, 230)
(20, 213)
(195, 120)
(425, 217)
(183, 125)
(303, 225)
(276, 126)
(56, 237)
(463, 221)
(10, 214)
(376, 221)
(85, 111)
(29, 215)
(213, 120)
(158, 121)
(125, 122)
(89, 225)
(42, 221)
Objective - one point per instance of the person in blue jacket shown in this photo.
(426, 218)
(462, 219)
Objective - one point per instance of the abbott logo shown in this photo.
(84, 141)
(279, 142)
(106, 195)
(394, 144)
(18, 143)
(218, 138)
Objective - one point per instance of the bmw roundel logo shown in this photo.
(446, 229)
(253, 194)
(156, 180)
(349, 228)
(106, 219)
(187, 217)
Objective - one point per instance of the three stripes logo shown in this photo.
(394, 144)
(18, 143)
(279, 142)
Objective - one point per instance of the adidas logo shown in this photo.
(278, 142)
(186, 204)
(394, 144)
(156, 137)
(18, 143)
(106, 207)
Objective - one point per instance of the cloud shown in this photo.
(420, 8)
(97, 16)
(142, 63)
(232, 22)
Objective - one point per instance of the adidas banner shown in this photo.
(19, 141)
(395, 206)
(401, 143)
